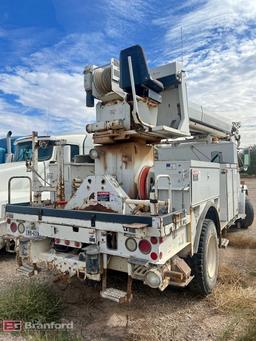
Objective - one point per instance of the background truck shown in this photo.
(16, 155)
(165, 185)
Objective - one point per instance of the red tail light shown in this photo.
(145, 246)
(13, 227)
(77, 244)
(153, 255)
(153, 240)
(57, 241)
(67, 242)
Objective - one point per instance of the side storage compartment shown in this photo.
(228, 192)
(205, 182)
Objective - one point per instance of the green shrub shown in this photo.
(30, 301)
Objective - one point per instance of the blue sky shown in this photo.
(45, 44)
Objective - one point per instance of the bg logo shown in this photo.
(11, 325)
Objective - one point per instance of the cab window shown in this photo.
(74, 151)
(23, 151)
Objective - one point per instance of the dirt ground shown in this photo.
(153, 315)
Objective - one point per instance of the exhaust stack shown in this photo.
(9, 154)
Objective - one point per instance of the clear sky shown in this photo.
(45, 44)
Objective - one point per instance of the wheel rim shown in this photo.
(212, 257)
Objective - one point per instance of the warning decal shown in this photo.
(103, 196)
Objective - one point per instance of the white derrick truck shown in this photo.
(15, 172)
(164, 187)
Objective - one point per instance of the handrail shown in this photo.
(162, 176)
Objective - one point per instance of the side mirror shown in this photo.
(247, 161)
(67, 154)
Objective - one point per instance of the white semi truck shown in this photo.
(15, 168)
(164, 186)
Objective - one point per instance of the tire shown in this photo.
(205, 263)
(249, 211)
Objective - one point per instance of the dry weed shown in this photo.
(242, 242)
(233, 295)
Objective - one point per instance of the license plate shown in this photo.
(32, 233)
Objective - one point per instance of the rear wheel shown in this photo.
(249, 211)
(205, 263)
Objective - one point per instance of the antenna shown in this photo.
(181, 41)
(47, 117)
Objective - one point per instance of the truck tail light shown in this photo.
(153, 240)
(67, 242)
(56, 241)
(131, 244)
(77, 244)
(153, 278)
(13, 227)
(153, 256)
(145, 246)
(21, 228)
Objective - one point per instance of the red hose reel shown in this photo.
(142, 183)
